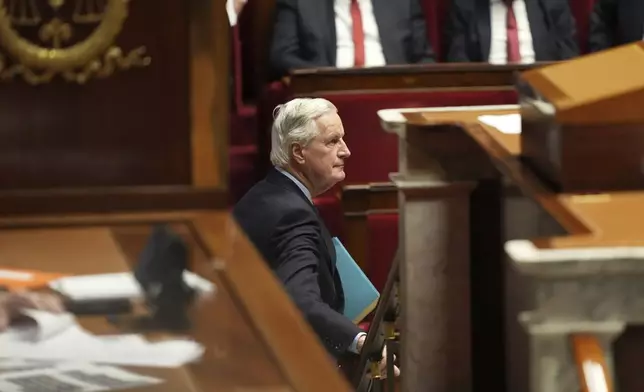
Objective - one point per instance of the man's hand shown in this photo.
(12, 303)
(382, 365)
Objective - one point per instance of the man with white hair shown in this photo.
(278, 215)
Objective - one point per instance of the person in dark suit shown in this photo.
(11, 304)
(615, 22)
(278, 215)
(348, 33)
(518, 31)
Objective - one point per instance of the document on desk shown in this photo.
(505, 123)
(121, 285)
(17, 364)
(21, 342)
(73, 378)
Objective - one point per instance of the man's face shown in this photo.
(323, 158)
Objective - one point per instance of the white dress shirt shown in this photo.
(374, 57)
(232, 15)
(498, 23)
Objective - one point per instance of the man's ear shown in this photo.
(297, 152)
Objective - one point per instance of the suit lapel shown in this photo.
(635, 9)
(321, 16)
(482, 12)
(538, 28)
(275, 177)
(328, 241)
(327, 18)
(384, 19)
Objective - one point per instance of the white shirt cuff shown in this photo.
(354, 345)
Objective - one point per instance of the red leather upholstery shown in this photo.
(383, 243)
(374, 153)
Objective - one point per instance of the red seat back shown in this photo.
(382, 246)
(374, 152)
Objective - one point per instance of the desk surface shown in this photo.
(419, 77)
(255, 338)
(610, 223)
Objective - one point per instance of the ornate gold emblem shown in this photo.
(39, 48)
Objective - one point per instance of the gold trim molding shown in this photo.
(95, 56)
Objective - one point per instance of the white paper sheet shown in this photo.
(73, 378)
(116, 286)
(506, 123)
(116, 349)
(14, 365)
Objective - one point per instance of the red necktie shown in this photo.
(514, 56)
(358, 34)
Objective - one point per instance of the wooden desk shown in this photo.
(255, 338)
(420, 77)
(591, 221)
(97, 147)
(452, 216)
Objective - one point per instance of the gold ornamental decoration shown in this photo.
(54, 47)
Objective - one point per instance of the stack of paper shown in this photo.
(71, 377)
(505, 123)
(115, 286)
(53, 336)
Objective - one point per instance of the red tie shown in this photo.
(514, 56)
(358, 34)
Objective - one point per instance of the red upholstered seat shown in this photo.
(374, 152)
(382, 245)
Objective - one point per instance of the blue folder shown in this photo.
(361, 297)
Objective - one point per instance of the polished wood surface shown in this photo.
(426, 77)
(568, 123)
(596, 220)
(153, 137)
(255, 338)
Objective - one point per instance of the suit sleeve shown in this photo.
(565, 29)
(603, 22)
(455, 34)
(297, 239)
(285, 48)
(422, 51)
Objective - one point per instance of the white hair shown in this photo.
(294, 122)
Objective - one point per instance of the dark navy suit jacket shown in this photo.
(286, 229)
(468, 30)
(304, 34)
(615, 22)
